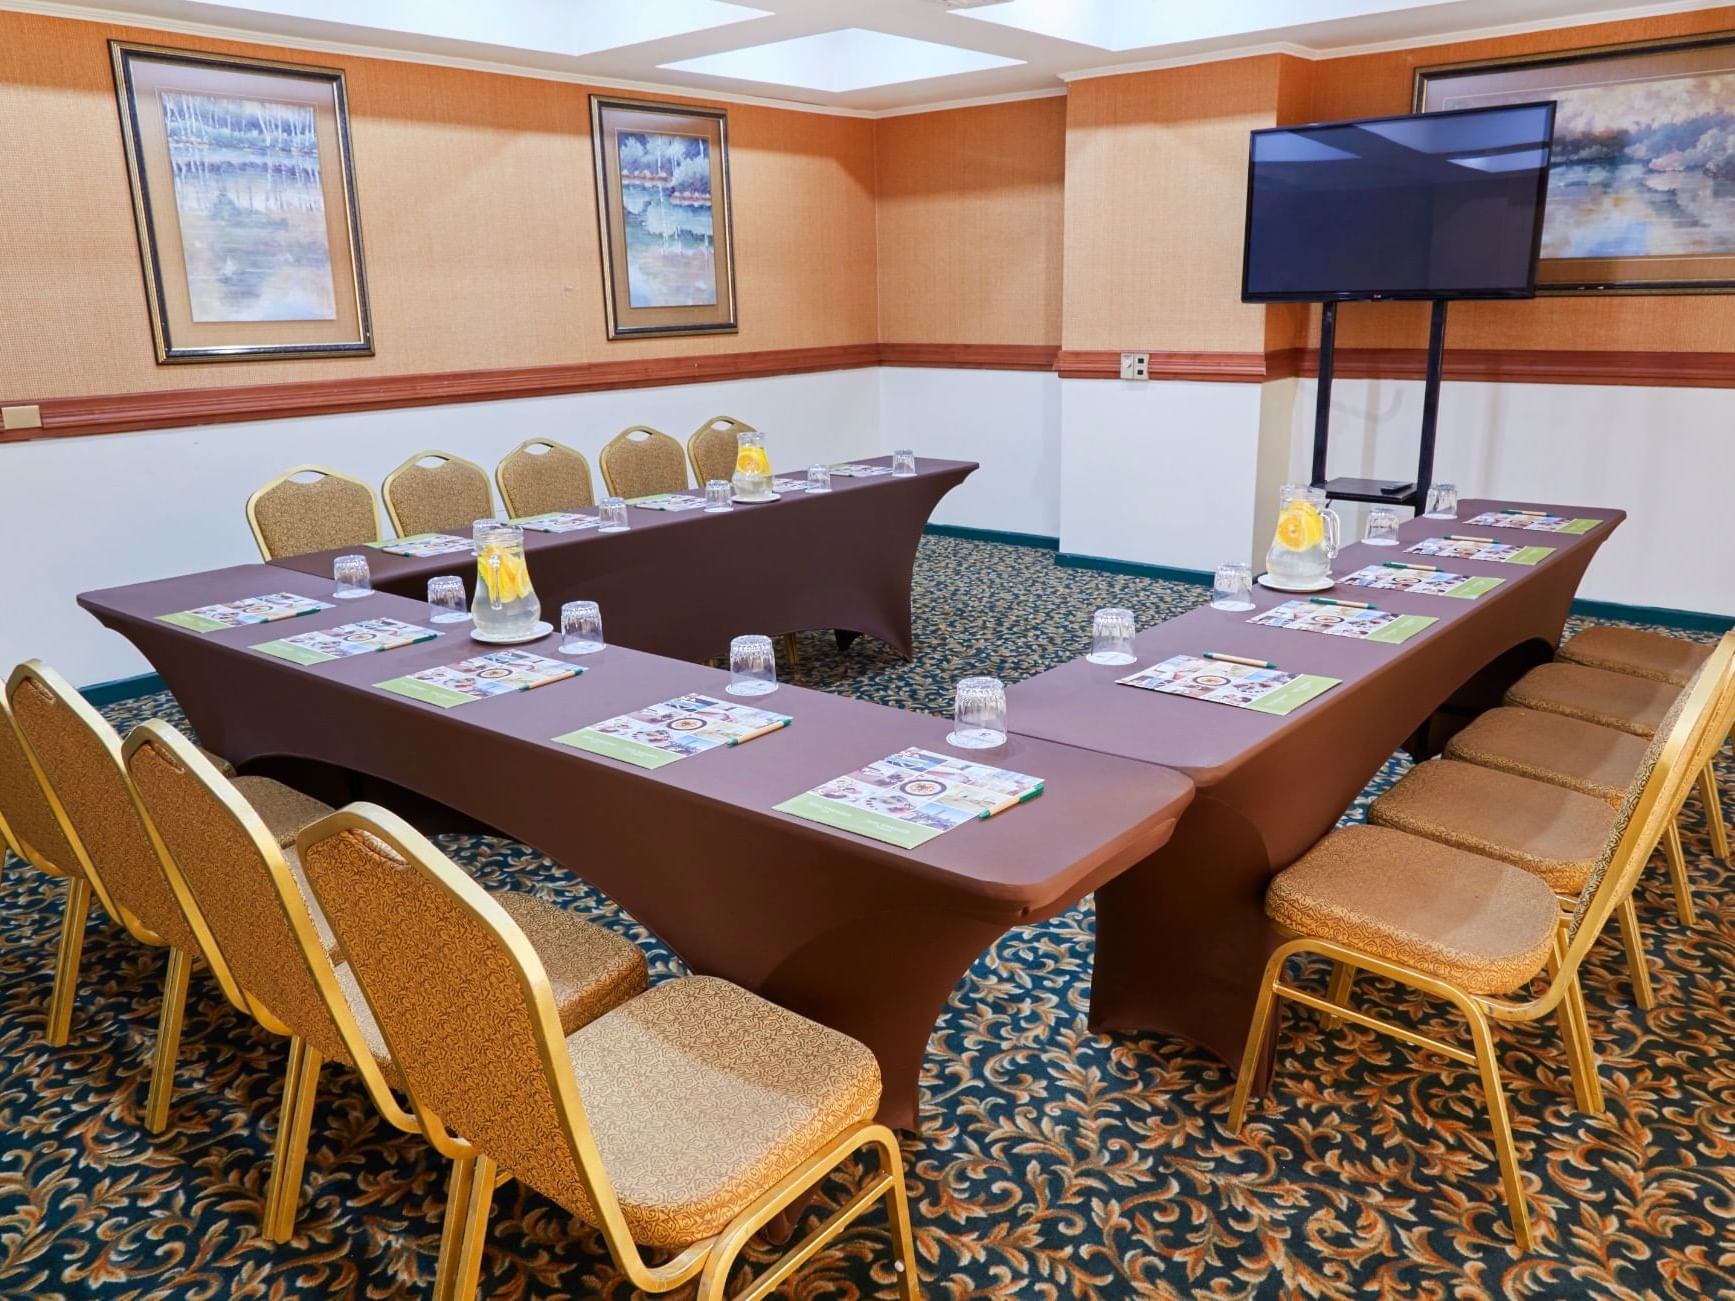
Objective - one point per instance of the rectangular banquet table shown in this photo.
(1182, 938)
(682, 583)
(853, 933)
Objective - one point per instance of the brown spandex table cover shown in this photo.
(1182, 938)
(858, 935)
(683, 583)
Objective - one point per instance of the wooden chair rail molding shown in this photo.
(171, 408)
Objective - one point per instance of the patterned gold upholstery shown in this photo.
(30, 822)
(1483, 925)
(1617, 700)
(1595, 761)
(1552, 832)
(712, 448)
(539, 477)
(283, 809)
(447, 497)
(640, 461)
(698, 1094)
(1639, 654)
(291, 518)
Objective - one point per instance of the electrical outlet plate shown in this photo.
(1135, 365)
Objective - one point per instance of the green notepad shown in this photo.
(1471, 588)
(1528, 555)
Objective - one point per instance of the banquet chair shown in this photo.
(229, 870)
(1471, 931)
(77, 756)
(447, 496)
(540, 477)
(712, 448)
(640, 462)
(293, 515)
(684, 1120)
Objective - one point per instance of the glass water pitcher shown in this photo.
(1308, 537)
(752, 478)
(505, 607)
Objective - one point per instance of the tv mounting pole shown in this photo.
(1383, 491)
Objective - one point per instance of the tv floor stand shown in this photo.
(1384, 491)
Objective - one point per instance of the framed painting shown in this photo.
(1641, 194)
(662, 195)
(244, 196)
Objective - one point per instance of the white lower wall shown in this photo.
(84, 513)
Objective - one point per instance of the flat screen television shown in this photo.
(1430, 205)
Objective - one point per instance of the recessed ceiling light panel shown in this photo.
(850, 59)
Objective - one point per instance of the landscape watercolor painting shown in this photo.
(251, 206)
(670, 230)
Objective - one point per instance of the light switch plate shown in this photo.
(20, 417)
(1135, 365)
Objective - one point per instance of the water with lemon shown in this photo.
(752, 466)
(505, 606)
(1307, 538)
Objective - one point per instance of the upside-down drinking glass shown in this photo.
(1382, 527)
(818, 478)
(1111, 637)
(612, 512)
(1232, 588)
(979, 714)
(903, 463)
(581, 628)
(351, 577)
(1443, 501)
(752, 666)
(717, 495)
(446, 600)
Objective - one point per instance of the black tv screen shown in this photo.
(1432, 205)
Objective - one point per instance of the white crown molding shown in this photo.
(982, 101)
(1518, 29)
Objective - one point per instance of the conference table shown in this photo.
(683, 583)
(1181, 939)
(852, 932)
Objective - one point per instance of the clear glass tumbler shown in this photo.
(1382, 527)
(717, 493)
(979, 715)
(818, 478)
(1443, 501)
(446, 600)
(1232, 588)
(350, 574)
(581, 628)
(612, 512)
(1111, 637)
(903, 463)
(752, 666)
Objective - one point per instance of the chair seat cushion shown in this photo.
(283, 809)
(218, 762)
(1637, 654)
(702, 1095)
(1485, 926)
(1549, 831)
(1596, 761)
(1618, 700)
(592, 970)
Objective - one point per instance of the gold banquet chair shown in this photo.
(437, 492)
(685, 1120)
(640, 462)
(1471, 931)
(78, 757)
(230, 871)
(712, 448)
(541, 477)
(295, 514)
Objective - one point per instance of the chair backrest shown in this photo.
(1676, 753)
(27, 820)
(539, 477)
(78, 756)
(311, 508)
(640, 461)
(436, 492)
(712, 448)
(464, 1003)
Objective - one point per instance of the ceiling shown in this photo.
(868, 57)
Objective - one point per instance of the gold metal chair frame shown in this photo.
(716, 426)
(475, 1175)
(523, 450)
(432, 454)
(625, 438)
(264, 490)
(1677, 765)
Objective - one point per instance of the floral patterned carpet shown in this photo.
(1053, 1162)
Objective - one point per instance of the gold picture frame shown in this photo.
(663, 217)
(243, 193)
(1641, 190)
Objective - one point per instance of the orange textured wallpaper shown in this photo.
(1156, 179)
(478, 219)
(970, 209)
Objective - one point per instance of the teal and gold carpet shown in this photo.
(1053, 1162)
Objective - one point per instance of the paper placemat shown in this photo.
(248, 610)
(346, 639)
(1345, 621)
(908, 798)
(667, 501)
(675, 729)
(496, 673)
(850, 470)
(1265, 691)
(1393, 577)
(425, 544)
(1518, 519)
(1503, 553)
(557, 522)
